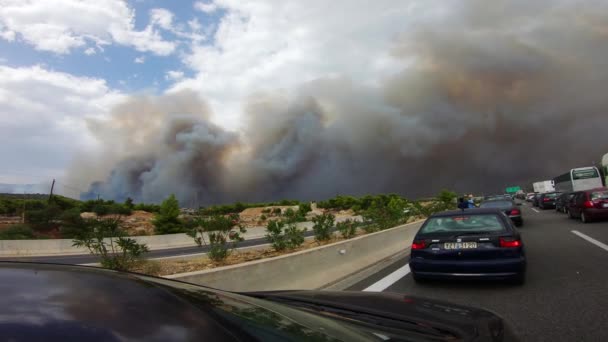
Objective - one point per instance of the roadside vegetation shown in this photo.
(104, 238)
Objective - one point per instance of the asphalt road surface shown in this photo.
(565, 297)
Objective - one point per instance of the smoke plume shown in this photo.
(493, 94)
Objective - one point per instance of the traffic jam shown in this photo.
(482, 240)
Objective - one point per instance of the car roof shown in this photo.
(472, 211)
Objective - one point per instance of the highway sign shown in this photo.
(513, 189)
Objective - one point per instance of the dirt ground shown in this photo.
(138, 223)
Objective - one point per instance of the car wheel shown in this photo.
(519, 223)
(585, 218)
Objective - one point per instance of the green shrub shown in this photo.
(347, 228)
(322, 226)
(282, 235)
(72, 225)
(276, 211)
(220, 229)
(304, 208)
(17, 232)
(167, 220)
(263, 217)
(120, 253)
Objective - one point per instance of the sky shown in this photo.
(63, 62)
(224, 100)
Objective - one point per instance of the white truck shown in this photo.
(544, 186)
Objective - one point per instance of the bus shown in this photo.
(605, 168)
(579, 179)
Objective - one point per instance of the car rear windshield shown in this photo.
(463, 223)
(496, 204)
(553, 195)
(599, 195)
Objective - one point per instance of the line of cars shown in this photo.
(586, 205)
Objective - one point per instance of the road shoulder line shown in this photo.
(590, 239)
(389, 280)
(365, 273)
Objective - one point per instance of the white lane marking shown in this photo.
(535, 210)
(389, 280)
(590, 239)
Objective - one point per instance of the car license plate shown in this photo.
(460, 245)
(604, 205)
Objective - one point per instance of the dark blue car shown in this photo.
(470, 243)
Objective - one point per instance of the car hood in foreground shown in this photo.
(75, 303)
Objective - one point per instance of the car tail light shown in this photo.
(515, 212)
(509, 242)
(546, 199)
(588, 204)
(418, 245)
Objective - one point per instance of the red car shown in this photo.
(589, 205)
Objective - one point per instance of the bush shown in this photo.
(121, 253)
(263, 217)
(322, 226)
(385, 213)
(43, 219)
(275, 236)
(282, 235)
(220, 229)
(347, 228)
(72, 225)
(304, 208)
(276, 211)
(17, 232)
(151, 208)
(167, 220)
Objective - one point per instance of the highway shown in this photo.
(565, 297)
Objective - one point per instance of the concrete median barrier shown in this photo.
(308, 269)
(52, 247)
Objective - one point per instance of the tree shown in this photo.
(322, 226)
(283, 235)
(104, 237)
(17, 232)
(167, 220)
(72, 224)
(447, 199)
(347, 228)
(129, 203)
(219, 229)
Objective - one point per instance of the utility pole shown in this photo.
(52, 187)
(23, 212)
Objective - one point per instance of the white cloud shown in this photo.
(206, 7)
(161, 17)
(140, 60)
(174, 75)
(62, 25)
(89, 51)
(43, 117)
(267, 45)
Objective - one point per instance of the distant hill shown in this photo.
(23, 188)
(24, 196)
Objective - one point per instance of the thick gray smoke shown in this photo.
(494, 94)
